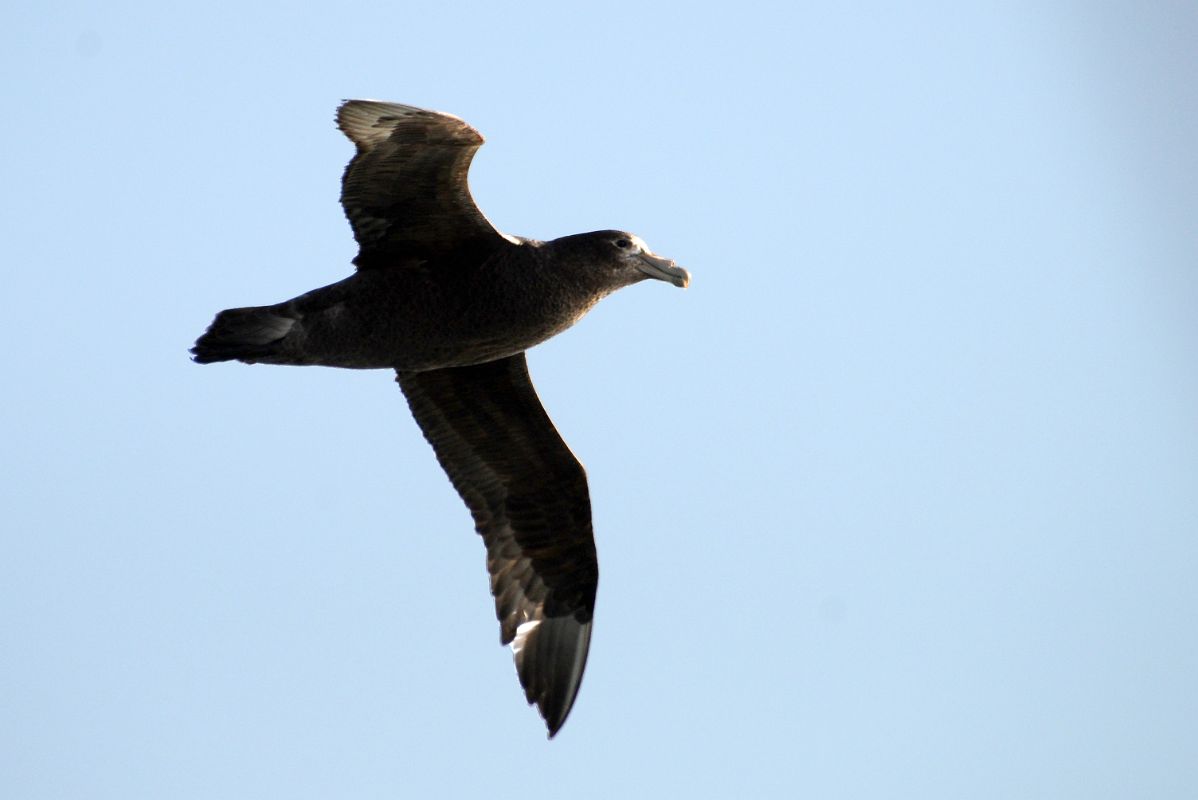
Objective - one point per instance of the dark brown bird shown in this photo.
(451, 304)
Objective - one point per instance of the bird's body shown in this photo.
(451, 305)
(421, 316)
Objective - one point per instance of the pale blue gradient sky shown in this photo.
(899, 500)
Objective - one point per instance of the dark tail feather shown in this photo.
(244, 334)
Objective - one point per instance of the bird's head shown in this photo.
(619, 258)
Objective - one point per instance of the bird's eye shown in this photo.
(623, 244)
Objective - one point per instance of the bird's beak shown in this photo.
(663, 269)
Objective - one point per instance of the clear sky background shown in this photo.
(899, 500)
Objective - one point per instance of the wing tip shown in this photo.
(368, 122)
(551, 656)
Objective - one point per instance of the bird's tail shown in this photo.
(251, 335)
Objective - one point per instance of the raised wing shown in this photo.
(528, 495)
(405, 192)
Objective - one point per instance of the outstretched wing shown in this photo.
(405, 191)
(528, 495)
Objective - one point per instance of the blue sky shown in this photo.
(897, 500)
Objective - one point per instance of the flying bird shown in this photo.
(451, 304)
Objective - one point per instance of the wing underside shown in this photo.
(528, 496)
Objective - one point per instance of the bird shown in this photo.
(451, 304)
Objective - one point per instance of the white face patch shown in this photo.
(640, 243)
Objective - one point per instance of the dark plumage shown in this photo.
(451, 305)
